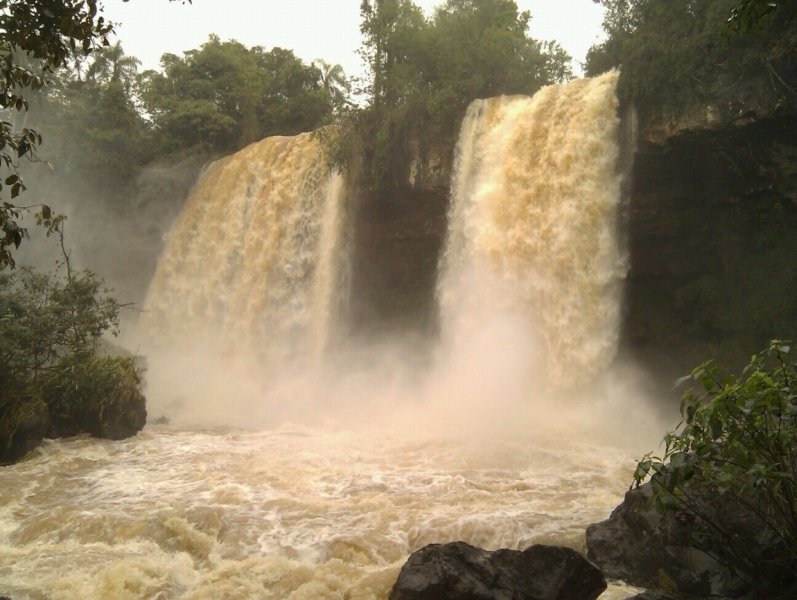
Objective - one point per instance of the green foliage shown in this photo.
(677, 52)
(37, 37)
(99, 395)
(749, 14)
(223, 96)
(50, 330)
(44, 320)
(738, 441)
(423, 73)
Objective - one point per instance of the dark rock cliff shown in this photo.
(712, 239)
(397, 245)
(710, 225)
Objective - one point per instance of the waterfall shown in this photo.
(252, 264)
(532, 224)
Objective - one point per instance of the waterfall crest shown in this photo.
(252, 262)
(532, 225)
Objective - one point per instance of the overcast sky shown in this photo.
(327, 29)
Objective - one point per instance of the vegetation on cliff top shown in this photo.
(679, 52)
(423, 72)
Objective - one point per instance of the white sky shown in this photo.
(327, 29)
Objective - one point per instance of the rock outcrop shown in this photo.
(100, 397)
(712, 211)
(397, 244)
(459, 571)
(678, 553)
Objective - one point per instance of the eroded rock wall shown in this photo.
(397, 242)
(710, 226)
(712, 238)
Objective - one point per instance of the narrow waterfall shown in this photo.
(532, 225)
(252, 263)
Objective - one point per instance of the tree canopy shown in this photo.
(423, 72)
(224, 96)
(37, 37)
(677, 52)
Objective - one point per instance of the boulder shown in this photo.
(459, 571)
(678, 553)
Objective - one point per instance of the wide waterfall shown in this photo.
(318, 482)
(252, 264)
(532, 228)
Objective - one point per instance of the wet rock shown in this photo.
(677, 552)
(459, 571)
(710, 228)
(655, 595)
(630, 547)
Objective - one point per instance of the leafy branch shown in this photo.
(735, 446)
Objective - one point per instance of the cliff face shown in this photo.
(712, 238)
(710, 228)
(397, 245)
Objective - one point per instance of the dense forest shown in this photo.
(423, 72)
(686, 52)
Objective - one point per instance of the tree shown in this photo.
(111, 65)
(423, 73)
(679, 52)
(390, 30)
(736, 446)
(50, 330)
(36, 38)
(479, 49)
(335, 83)
(224, 96)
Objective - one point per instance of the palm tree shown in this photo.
(334, 81)
(111, 64)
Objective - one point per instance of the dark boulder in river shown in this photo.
(459, 571)
(676, 552)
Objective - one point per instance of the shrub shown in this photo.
(99, 395)
(51, 380)
(735, 451)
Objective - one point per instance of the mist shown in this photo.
(242, 325)
(288, 445)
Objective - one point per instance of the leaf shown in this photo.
(680, 381)
(677, 459)
(12, 179)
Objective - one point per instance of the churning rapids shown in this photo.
(285, 474)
